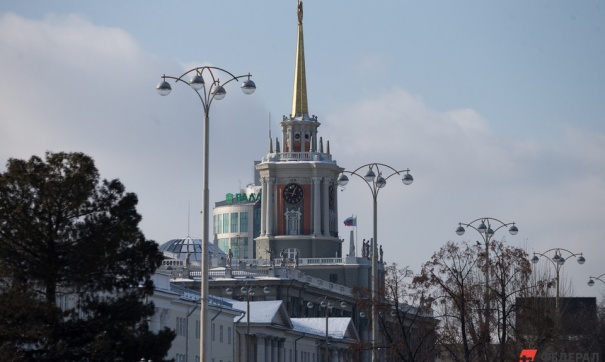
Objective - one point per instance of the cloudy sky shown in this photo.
(498, 108)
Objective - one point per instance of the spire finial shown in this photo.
(300, 107)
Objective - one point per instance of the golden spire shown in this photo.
(300, 107)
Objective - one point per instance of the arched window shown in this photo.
(293, 222)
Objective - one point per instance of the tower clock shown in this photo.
(293, 193)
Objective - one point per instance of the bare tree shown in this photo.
(450, 285)
(408, 326)
(510, 271)
(476, 319)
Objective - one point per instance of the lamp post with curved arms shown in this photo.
(592, 279)
(558, 261)
(328, 305)
(485, 230)
(206, 95)
(247, 290)
(375, 181)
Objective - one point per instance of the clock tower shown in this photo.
(299, 200)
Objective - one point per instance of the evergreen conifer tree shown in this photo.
(75, 268)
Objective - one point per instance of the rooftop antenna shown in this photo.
(270, 125)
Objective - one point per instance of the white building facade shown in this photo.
(266, 334)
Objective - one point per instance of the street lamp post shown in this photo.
(328, 305)
(375, 183)
(206, 96)
(249, 291)
(592, 279)
(485, 230)
(558, 261)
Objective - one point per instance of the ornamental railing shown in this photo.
(298, 156)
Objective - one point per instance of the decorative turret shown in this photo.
(299, 209)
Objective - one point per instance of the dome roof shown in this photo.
(180, 248)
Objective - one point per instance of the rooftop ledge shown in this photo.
(298, 156)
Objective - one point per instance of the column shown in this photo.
(270, 206)
(336, 355)
(263, 208)
(326, 205)
(268, 349)
(316, 206)
(303, 141)
(281, 356)
(260, 350)
(274, 350)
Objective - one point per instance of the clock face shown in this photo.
(293, 193)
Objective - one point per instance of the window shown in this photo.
(197, 329)
(180, 326)
(228, 335)
(224, 245)
(245, 248)
(256, 221)
(220, 334)
(293, 221)
(243, 222)
(333, 278)
(236, 247)
(218, 227)
(291, 253)
(234, 222)
(225, 223)
(213, 332)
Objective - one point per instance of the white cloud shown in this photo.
(463, 171)
(70, 85)
(75, 86)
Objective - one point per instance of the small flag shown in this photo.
(351, 221)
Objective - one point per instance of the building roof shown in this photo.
(338, 327)
(270, 312)
(240, 203)
(273, 312)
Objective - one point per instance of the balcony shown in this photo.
(298, 157)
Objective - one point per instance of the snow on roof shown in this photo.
(261, 311)
(337, 326)
(273, 312)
